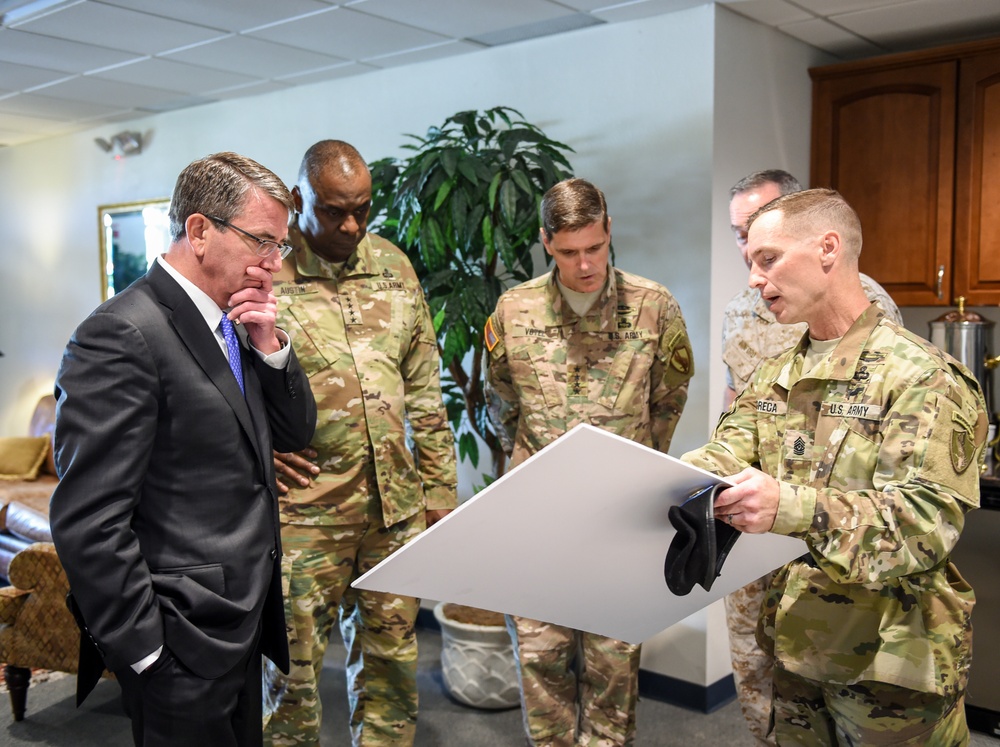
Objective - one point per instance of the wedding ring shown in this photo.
(730, 517)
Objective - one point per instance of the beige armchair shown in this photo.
(36, 628)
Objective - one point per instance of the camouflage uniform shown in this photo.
(876, 452)
(364, 336)
(624, 367)
(751, 334)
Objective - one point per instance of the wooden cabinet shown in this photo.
(912, 141)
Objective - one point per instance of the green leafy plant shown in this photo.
(464, 207)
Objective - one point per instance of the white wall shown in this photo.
(664, 113)
(761, 115)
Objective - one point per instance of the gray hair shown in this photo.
(785, 182)
(218, 185)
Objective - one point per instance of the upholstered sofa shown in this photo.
(36, 628)
(27, 479)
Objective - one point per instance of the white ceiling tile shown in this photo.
(330, 73)
(833, 39)
(635, 9)
(174, 76)
(111, 93)
(118, 28)
(461, 18)
(916, 23)
(56, 54)
(229, 15)
(180, 102)
(254, 89)
(827, 8)
(254, 57)
(448, 49)
(585, 5)
(19, 77)
(45, 107)
(348, 34)
(769, 12)
(550, 27)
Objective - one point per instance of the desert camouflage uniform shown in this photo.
(751, 334)
(623, 367)
(877, 454)
(364, 336)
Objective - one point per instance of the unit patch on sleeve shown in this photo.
(490, 336)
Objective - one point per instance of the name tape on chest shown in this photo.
(553, 333)
(851, 410)
(387, 285)
(772, 406)
(292, 290)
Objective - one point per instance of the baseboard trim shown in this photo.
(983, 719)
(426, 620)
(651, 684)
(687, 694)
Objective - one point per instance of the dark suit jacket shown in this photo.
(165, 517)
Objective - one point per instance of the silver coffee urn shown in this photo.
(967, 336)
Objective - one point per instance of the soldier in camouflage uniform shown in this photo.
(363, 333)
(750, 335)
(586, 343)
(865, 441)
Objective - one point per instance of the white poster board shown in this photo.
(575, 535)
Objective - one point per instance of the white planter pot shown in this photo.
(477, 662)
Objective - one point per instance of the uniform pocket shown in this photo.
(627, 386)
(311, 347)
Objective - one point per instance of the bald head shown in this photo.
(331, 157)
(332, 199)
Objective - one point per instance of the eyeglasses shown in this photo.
(265, 247)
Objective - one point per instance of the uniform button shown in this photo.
(274, 553)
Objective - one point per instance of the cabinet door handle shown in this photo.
(940, 282)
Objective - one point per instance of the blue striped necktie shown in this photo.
(233, 346)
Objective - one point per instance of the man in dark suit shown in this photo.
(166, 514)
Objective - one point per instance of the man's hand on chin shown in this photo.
(256, 309)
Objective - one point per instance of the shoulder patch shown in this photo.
(490, 337)
(963, 449)
(681, 359)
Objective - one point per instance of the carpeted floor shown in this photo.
(52, 720)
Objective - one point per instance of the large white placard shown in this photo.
(575, 535)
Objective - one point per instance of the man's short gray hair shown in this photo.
(218, 185)
(785, 182)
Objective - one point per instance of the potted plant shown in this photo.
(477, 660)
(464, 207)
